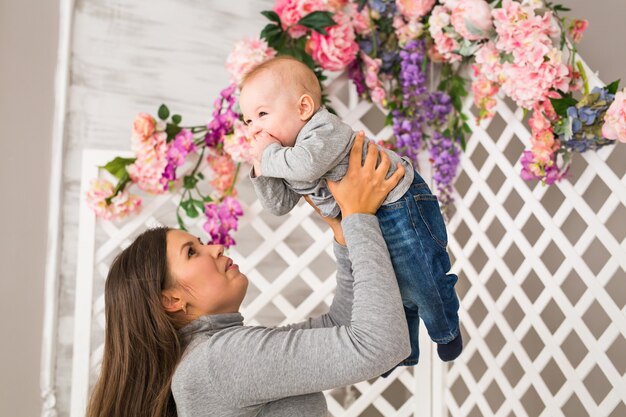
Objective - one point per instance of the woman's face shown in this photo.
(205, 281)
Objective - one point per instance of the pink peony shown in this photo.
(143, 126)
(414, 9)
(247, 54)
(336, 50)
(577, 28)
(615, 119)
(121, 205)
(472, 19)
(291, 11)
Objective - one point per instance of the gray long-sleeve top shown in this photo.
(321, 152)
(233, 370)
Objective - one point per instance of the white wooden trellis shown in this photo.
(544, 324)
(543, 281)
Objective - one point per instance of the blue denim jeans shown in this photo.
(416, 237)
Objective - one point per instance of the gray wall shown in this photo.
(28, 49)
(28, 46)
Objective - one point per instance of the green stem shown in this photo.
(121, 184)
(199, 161)
(583, 74)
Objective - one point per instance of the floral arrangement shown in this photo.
(416, 59)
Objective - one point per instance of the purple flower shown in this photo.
(223, 117)
(222, 218)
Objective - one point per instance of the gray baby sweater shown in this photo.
(321, 152)
(233, 370)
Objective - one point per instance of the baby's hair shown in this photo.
(292, 74)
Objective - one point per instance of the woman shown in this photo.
(175, 342)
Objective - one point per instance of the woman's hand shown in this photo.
(333, 222)
(364, 187)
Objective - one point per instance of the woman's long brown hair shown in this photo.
(141, 347)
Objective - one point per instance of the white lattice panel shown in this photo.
(289, 263)
(542, 282)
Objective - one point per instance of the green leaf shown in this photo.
(559, 8)
(181, 224)
(271, 15)
(199, 205)
(272, 34)
(190, 208)
(207, 199)
(189, 182)
(463, 143)
(562, 104)
(164, 112)
(200, 175)
(317, 21)
(176, 119)
(172, 130)
(117, 167)
(612, 88)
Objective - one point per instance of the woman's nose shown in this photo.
(216, 250)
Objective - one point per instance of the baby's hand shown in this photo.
(259, 143)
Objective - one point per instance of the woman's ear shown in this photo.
(306, 107)
(171, 301)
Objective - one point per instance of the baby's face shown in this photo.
(270, 109)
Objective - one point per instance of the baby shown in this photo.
(298, 145)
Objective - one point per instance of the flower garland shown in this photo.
(392, 51)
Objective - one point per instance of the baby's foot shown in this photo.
(451, 350)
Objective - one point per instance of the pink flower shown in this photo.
(407, 31)
(472, 19)
(143, 126)
(336, 50)
(577, 28)
(615, 119)
(181, 147)
(371, 70)
(414, 9)
(439, 18)
(291, 11)
(147, 170)
(361, 21)
(445, 42)
(223, 168)
(121, 205)
(238, 144)
(538, 122)
(484, 91)
(446, 45)
(247, 54)
(337, 5)
(489, 59)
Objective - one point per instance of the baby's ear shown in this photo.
(306, 106)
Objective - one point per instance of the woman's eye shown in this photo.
(191, 252)
(261, 114)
